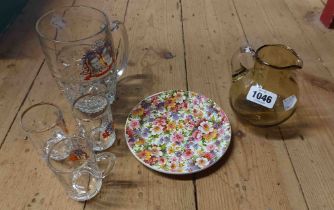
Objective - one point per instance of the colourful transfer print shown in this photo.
(78, 154)
(178, 132)
(97, 61)
(108, 131)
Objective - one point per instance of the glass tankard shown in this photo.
(85, 53)
(264, 90)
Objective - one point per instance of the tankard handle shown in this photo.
(121, 46)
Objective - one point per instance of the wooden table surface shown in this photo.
(290, 166)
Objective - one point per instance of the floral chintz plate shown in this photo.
(177, 132)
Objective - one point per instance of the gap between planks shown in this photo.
(184, 51)
(280, 131)
(187, 87)
(293, 168)
(24, 99)
(26, 95)
(124, 18)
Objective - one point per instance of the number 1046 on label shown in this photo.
(261, 96)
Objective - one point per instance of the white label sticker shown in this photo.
(289, 102)
(261, 96)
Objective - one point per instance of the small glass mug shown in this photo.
(93, 114)
(84, 52)
(45, 125)
(79, 172)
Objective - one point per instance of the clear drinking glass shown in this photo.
(79, 172)
(45, 125)
(93, 114)
(84, 52)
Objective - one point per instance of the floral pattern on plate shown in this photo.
(177, 132)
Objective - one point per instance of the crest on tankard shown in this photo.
(97, 61)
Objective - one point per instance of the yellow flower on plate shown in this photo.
(200, 152)
(141, 141)
(210, 136)
(156, 129)
(171, 126)
(202, 162)
(170, 103)
(173, 166)
(148, 155)
(180, 125)
(170, 150)
(138, 112)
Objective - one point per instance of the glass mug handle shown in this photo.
(81, 178)
(106, 169)
(121, 45)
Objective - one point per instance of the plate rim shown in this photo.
(168, 172)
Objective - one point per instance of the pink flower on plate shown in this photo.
(202, 162)
(209, 156)
(190, 124)
(156, 151)
(205, 127)
(160, 121)
(154, 100)
(211, 147)
(197, 135)
(177, 137)
(221, 131)
(188, 153)
(162, 161)
(134, 124)
(174, 159)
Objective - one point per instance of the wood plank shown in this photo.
(22, 174)
(279, 25)
(307, 15)
(154, 29)
(113, 8)
(257, 172)
(26, 181)
(20, 59)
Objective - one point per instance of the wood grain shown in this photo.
(155, 33)
(180, 44)
(20, 60)
(256, 173)
(307, 15)
(25, 179)
(302, 133)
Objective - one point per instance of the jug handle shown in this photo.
(242, 61)
(122, 46)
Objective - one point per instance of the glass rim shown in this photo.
(42, 35)
(33, 106)
(85, 95)
(299, 63)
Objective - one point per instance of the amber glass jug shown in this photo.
(264, 90)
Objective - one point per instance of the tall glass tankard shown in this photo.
(264, 90)
(84, 52)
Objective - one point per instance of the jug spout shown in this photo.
(279, 57)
